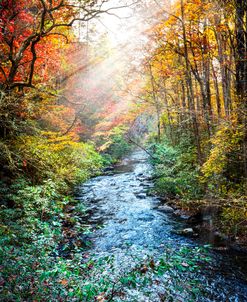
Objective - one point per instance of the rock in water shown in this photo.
(188, 231)
(141, 195)
(166, 209)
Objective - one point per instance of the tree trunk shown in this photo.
(190, 90)
(241, 70)
(225, 73)
(217, 93)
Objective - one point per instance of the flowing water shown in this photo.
(129, 225)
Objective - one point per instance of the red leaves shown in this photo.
(11, 28)
(26, 17)
(19, 20)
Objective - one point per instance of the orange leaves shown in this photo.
(63, 282)
(101, 298)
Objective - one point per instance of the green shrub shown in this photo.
(50, 277)
(57, 157)
(176, 171)
(116, 145)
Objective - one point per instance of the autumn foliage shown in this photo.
(196, 84)
(38, 120)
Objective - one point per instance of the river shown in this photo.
(128, 224)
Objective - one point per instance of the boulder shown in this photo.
(141, 195)
(184, 232)
(184, 217)
(187, 231)
(166, 209)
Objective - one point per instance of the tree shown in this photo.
(200, 75)
(26, 26)
(241, 69)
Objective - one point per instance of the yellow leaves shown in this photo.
(56, 156)
(225, 141)
(196, 9)
(47, 141)
(105, 146)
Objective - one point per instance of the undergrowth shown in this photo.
(176, 170)
(179, 177)
(50, 277)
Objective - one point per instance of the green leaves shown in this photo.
(48, 278)
(116, 145)
(176, 172)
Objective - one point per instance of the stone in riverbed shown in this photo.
(166, 209)
(96, 218)
(187, 231)
(141, 195)
(184, 217)
(140, 174)
(150, 193)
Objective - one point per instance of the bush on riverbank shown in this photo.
(36, 209)
(115, 145)
(179, 177)
(51, 277)
(176, 170)
(45, 171)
